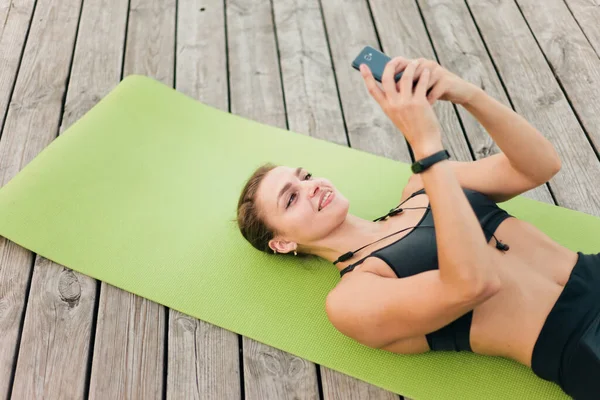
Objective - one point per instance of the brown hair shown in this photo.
(249, 217)
(250, 220)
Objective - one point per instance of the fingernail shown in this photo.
(414, 62)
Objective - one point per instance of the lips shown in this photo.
(323, 203)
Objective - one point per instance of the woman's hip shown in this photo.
(567, 350)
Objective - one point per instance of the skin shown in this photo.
(515, 290)
(301, 226)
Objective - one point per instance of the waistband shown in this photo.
(574, 310)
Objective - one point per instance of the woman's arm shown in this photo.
(524, 147)
(465, 260)
(527, 150)
(463, 253)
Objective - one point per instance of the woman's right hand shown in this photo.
(443, 84)
(406, 104)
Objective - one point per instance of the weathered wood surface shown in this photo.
(256, 93)
(15, 262)
(285, 63)
(587, 14)
(572, 58)
(32, 122)
(16, 17)
(537, 96)
(129, 350)
(461, 49)
(203, 359)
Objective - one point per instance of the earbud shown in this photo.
(394, 211)
(344, 257)
(502, 246)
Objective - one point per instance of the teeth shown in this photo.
(324, 200)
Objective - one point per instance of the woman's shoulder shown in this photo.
(414, 184)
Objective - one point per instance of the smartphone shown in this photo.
(376, 62)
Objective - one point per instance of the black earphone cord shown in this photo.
(397, 210)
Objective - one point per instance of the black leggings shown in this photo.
(567, 351)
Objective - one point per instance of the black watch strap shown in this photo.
(422, 165)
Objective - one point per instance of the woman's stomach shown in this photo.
(533, 272)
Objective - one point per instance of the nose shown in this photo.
(313, 190)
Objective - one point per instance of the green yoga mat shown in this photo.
(141, 193)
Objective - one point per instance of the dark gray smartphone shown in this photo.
(376, 62)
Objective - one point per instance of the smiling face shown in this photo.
(301, 208)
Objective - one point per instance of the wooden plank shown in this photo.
(15, 261)
(311, 99)
(461, 50)
(150, 48)
(31, 125)
(57, 332)
(201, 61)
(339, 386)
(15, 17)
(129, 349)
(587, 13)
(203, 359)
(537, 96)
(98, 57)
(58, 294)
(256, 94)
(573, 59)
(350, 28)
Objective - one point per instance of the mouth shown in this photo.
(326, 198)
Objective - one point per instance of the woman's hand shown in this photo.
(409, 110)
(444, 84)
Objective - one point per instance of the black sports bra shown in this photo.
(416, 252)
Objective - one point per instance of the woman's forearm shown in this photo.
(464, 257)
(528, 151)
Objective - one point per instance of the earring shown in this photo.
(274, 251)
(295, 253)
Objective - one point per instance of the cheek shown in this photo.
(301, 218)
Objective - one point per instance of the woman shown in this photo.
(482, 280)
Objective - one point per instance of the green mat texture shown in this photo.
(141, 193)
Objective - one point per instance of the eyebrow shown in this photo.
(287, 185)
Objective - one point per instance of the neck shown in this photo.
(352, 234)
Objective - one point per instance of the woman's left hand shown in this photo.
(408, 108)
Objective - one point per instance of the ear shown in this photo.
(282, 246)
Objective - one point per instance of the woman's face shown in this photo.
(296, 205)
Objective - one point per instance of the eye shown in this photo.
(293, 196)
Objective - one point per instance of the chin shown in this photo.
(336, 212)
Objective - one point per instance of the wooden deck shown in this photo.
(285, 63)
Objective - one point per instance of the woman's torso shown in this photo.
(533, 272)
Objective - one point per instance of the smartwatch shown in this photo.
(423, 164)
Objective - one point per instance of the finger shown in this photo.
(433, 80)
(371, 84)
(422, 65)
(423, 84)
(406, 83)
(387, 80)
(401, 66)
(435, 94)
